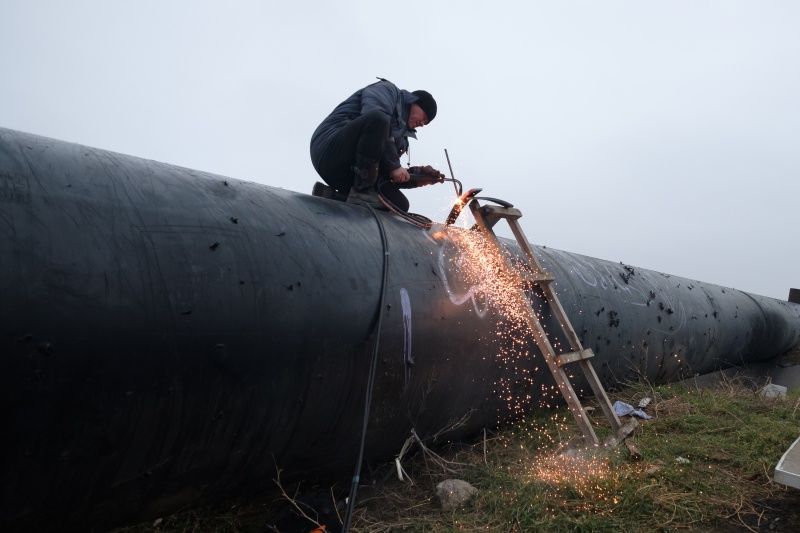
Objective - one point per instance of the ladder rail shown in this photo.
(522, 240)
(486, 217)
(541, 339)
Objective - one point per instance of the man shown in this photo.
(362, 140)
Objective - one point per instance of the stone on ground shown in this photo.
(453, 493)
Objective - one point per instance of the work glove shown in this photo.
(426, 175)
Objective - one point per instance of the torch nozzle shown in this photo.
(459, 205)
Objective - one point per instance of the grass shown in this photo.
(707, 462)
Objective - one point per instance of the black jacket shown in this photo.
(383, 96)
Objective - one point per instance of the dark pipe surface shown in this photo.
(169, 336)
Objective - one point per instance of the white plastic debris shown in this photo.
(773, 391)
(622, 409)
(402, 475)
(644, 402)
(682, 460)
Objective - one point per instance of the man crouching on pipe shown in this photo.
(362, 140)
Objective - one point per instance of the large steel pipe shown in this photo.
(169, 336)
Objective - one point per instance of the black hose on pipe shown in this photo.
(351, 500)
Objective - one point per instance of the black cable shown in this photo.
(416, 219)
(370, 380)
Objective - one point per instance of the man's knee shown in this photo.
(376, 121)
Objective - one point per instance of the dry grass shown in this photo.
(532, 478)
(730, 436)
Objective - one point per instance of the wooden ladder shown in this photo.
(486, 217)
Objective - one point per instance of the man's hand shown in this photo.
(399, 175)
(430, 175)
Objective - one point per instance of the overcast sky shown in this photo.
(663, 134)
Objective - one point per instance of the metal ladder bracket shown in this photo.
(622, 433)
(492, 214)
(498, 211)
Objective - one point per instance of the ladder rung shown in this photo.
(537, 277)
(573, 357)
(498, 212)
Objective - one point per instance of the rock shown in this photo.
(773, 391)
(655, 467)
(453, 493)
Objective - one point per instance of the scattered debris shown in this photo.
(773, 391)
(622, 434)
(682, 460)
(453, 493)
(622, 409)
(644, 402)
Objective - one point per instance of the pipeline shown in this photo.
(169, 336)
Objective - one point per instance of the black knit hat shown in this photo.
(427, 103)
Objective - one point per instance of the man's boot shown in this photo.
(363, 191)
(326, 191)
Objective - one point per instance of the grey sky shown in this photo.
(663, 134)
